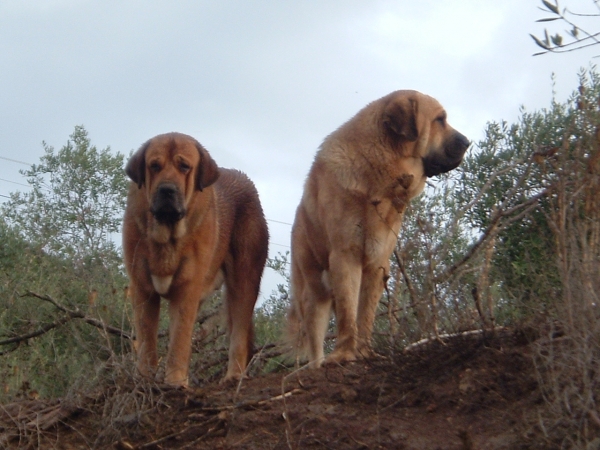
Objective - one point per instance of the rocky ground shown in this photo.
(471, 392)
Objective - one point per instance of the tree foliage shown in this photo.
(527, 198)
(60, 270)
(526, 159)
(76, 200)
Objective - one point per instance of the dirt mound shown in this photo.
(471, 392)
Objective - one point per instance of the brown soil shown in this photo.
(469, 393)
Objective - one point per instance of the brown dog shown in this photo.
(348, 220)
(188, 226)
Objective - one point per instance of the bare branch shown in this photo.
(488, 184)
(39, 332)
(492, 229)
(70, 314)
(409, 285)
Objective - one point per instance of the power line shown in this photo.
(15, 161)
(279, 221)
(27, 185)
(14, 182)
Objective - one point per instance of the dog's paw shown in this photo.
(339, 356)
(233, 379)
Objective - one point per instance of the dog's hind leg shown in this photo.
(242, 285)
(239, 304)
(311, 304)
(318, 312)
(243, 272)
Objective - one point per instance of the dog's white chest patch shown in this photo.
(162, 284)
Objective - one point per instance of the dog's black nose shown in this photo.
(449, 158)
(457, 146)
(166, 190)
(463, 141)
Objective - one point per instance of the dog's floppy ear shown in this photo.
(136, 166)
(401, 118)
(208, 171)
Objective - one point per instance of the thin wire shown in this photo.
(15, 161)
(26, 185)
(14, 182)
(279, 221)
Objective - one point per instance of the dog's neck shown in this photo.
(166, 234)
(164, 242)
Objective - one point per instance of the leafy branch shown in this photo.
(556, 43)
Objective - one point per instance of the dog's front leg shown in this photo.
(373, 283)
(345, 278)
(146, 311)
(183, 309)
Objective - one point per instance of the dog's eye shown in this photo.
(155, 167)
(184, 167)
(441, 120)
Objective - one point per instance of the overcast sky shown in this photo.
(260, 83)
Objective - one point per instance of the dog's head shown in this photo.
(171, 167)
(416, 125)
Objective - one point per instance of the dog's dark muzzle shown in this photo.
(449, 158)
(167, 204)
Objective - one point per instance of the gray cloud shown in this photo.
(260, 84)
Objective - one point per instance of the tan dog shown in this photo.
(348, 221)
(188, 226)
